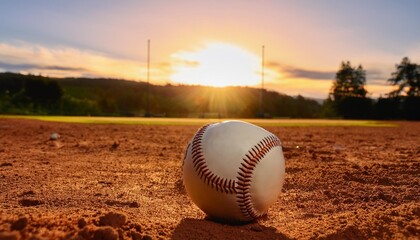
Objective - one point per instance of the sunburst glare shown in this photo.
(218, 65)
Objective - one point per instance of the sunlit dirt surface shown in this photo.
(341, 182)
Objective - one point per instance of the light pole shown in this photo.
(262, 83)
(148, 114)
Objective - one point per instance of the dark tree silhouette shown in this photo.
(43, 90)
(407, 77)
(349, 82)
(407, 95)
(348, 93)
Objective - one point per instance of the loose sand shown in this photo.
(110, 181)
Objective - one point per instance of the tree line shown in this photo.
(348, 98)
(29, 94)
(348, 95)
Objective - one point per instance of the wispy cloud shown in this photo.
(377, 77)
(294, 72)
(65, 62)
(298, 80)
(28, 67)
(374, 76)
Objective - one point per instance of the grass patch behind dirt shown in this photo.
(202, 121)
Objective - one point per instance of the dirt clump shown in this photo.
(19, 224)
(113, 219)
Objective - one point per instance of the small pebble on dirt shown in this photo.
(115, 145)
(54, 136)
(6, 164)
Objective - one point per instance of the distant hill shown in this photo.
(29, 94)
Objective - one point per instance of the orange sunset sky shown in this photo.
(214, 43)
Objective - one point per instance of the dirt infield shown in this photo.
(125, 181)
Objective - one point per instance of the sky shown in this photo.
(216, 43)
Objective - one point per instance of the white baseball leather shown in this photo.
(234, 170)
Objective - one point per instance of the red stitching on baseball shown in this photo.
(241, 187)
(220, 184)
(243, 183)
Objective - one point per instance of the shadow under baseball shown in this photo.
(190, 228)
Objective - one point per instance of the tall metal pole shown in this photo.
(148, 79)
(262, 83)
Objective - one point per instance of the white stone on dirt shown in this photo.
(54, 136)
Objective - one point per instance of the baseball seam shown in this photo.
(250, 162)
(199, 162)
(242, 186)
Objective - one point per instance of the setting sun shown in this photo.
(217, 65)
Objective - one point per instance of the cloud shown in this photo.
(293, 72)
(28, 67)
(70, 62)
(302, 81)
(374, 76)
(377, 77)
(311, 74)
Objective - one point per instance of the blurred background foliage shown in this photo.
(39, 95)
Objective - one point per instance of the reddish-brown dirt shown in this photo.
(125, 181)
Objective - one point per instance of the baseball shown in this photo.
(234, 170)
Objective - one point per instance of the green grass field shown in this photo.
(200, 121)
